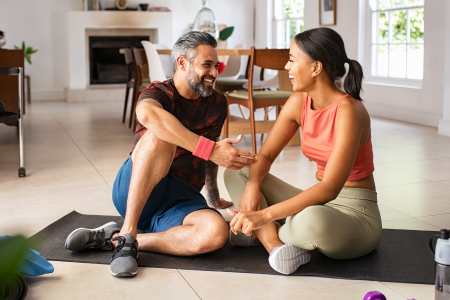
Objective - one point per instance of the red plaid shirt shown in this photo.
(204, 116)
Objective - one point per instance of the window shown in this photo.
(397, 31)
(288, 21)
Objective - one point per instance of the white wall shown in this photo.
(444, 124)
(416, 105)
(41, 24)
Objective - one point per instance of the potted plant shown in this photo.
(27, 51)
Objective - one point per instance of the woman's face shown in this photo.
(300, 68)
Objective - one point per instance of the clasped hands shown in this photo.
(249, 215)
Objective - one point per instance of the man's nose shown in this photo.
(214, 73)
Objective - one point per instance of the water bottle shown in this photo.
(442, 258)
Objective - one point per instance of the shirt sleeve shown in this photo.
(153, 92)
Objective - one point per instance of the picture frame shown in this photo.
(327, 12)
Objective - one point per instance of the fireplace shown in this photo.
(106, 64)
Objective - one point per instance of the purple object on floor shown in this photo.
(374, 296)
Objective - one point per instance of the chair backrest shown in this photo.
(273, 59)
(166, 60)
(129, 61)
(233, 68)
(128, 53)
(156, 71)
(140, 64)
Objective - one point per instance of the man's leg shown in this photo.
(152, 159)
(202, 231)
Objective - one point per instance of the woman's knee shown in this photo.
(230, 175)
(308, 227)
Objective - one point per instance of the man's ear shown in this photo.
(182, 63)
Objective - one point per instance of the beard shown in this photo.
(196, 84)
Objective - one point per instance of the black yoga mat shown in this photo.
(401, 256)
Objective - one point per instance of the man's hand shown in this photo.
(226, 155)
(251, 199)
(220, 203)
(247, 221)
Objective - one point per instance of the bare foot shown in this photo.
(220, 203)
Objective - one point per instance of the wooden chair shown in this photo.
(274, 59)
(128, 53)
(141, 80)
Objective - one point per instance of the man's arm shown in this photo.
(166, 127)
(211, 189)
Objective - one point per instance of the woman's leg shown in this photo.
(344, 228)
(273, 190)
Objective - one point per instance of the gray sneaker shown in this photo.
(124, 259)
(287, 259)
(98, 238)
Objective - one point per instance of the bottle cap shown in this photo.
(442, 254)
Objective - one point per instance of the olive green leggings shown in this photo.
(347, 227)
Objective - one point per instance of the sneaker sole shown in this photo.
(288, 258)
(95, 229)
(124, 274)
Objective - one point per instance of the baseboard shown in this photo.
(401, 114)
(47, 96)
(444, 127)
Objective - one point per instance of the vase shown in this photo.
(205, 21)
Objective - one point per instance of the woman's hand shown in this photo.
(247, 221)
(251, 199)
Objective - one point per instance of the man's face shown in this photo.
(202, 71)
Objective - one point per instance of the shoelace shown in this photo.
(97, 238)
(119, 246)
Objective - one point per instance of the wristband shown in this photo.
(204, 148)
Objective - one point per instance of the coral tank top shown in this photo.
(318, 139)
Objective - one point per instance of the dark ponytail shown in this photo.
(353, 81)
(326, 45)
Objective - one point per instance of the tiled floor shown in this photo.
(74, 150)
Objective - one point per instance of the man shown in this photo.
(157, 190)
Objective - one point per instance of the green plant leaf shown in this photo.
(17, 47)
(226, 33)
(12, 253)
(23, 45)
(28, 59)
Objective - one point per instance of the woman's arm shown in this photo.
(284, 129)
(349, 126)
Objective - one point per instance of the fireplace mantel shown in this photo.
(80, 22)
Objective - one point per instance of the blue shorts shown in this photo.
(170, 202)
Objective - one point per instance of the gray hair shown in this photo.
(187, 45)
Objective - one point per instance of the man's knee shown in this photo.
(212, 234)
(150, 142)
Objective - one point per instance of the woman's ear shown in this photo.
(318, 67)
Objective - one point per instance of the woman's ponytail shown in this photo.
(353, 81)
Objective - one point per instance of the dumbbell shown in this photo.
(375, 295)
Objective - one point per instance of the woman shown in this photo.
(339, 215)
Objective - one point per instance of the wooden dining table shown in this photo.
(219, 51)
